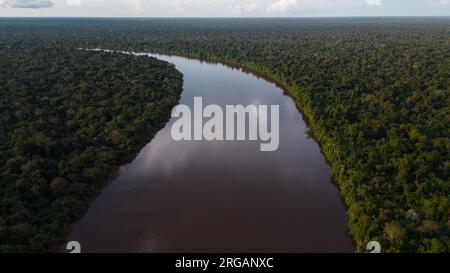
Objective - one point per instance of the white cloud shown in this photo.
(282, 5)
(438, 3)
(26, 4)
(213, 8)
(179, 6)
(136, 4)
(238, 9)
(374, 2)
(73, 2)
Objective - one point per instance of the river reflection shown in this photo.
(221, 196)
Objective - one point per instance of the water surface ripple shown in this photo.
(221, 196)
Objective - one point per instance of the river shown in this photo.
(221, 196)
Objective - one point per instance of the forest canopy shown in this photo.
(375, 90)
(68, 118)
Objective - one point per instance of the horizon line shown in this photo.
(235, 17)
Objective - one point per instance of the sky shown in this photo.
(223, 8)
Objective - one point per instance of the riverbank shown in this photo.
(65, 136)
(327, 144)
(284, 201)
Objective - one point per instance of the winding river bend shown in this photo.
(221, 196)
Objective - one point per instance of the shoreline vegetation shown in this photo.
(325, 141)
(411, 225)
(70, 120)
(247, 68)
(375, 91)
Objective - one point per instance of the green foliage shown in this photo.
(375, 90)
(68, 118)
(378, 99)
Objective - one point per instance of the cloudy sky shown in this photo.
(224, 8)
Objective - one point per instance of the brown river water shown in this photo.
(217, 197)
